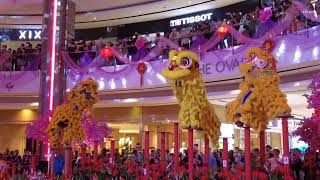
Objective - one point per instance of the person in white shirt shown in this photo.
(274, 159)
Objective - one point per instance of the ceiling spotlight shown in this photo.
(296, 84)
(189, 2)
(130, 100)
(95, 18)
(235, 91)
(140, 11)
(16, 17)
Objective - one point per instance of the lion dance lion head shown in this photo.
(181, 65)
(258, 61)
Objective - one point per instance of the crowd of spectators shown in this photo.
(20, 58)
(8, 159)
(303, 165)
(247, 23)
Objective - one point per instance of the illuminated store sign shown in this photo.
(191, 19)
(29, 34)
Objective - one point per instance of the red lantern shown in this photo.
(222, 30)
(141, 68)
(107, 53)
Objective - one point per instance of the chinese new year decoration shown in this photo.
(141, 68)
(107, 53)
(223, 30)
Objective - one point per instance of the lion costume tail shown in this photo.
(210, 124)
(231, 111)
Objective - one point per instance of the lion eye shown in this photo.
(253, 56)
(186, 62)
(261, 63)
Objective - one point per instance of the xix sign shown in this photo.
(30, 35)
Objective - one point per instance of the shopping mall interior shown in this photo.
(128, 89)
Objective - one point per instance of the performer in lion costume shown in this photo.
(66, 126)
(260, 99)
(196, 111)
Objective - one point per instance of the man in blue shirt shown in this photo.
(212, 164)
(213, 161)
(58, 164)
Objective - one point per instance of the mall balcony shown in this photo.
(84, 84)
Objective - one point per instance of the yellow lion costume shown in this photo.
(186, 80)
(260, 99)
(66, 126)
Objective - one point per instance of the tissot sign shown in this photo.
(29, 34)
(191, 19)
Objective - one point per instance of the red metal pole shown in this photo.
(163, 146)
(38, 146)
(33, 157)
(14, 170)
(83, 156)
(206, 150)
(70, 164)
(33, 163)
(95, 152)
(32, 146)
(225, 153)
(248, 173)
(52, 158)
(262, 148)
(190, 153)
(112, 150)
(176, 145)
(67, 162)
(285, 144)
(146, 147)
